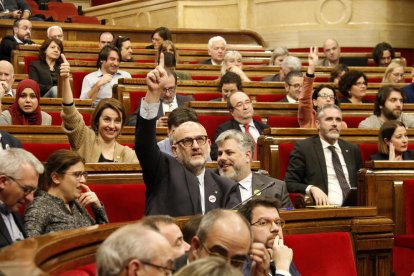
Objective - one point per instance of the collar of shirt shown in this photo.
(202, 192)
(18, 40)
(170, 106)
(246, 183)
(251, 124)
(9, 93)
(290, 99)
(100, 74)
(325, 144)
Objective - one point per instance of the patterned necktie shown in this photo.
(246, 130)
(4, 210)
(339, 173)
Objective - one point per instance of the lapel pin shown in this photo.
(257, 192)
(212, 198)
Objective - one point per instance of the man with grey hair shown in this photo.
(19, 175)
(216, 50)
(135, 249)
(293, 86)
(55, 32)
(6, 79)
(278, 56)
(235, 152)
(324, 166)
(177, 185)
(290, 63)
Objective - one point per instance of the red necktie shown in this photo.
(246, 130)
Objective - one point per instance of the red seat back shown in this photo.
(283, 121)
(77, 83)
(211, 123)
(270, 98)
(284, 153)
(123, 202)
(135, 99)
(85, 19)
(335, 255)
(353, 121)
(27, 61)
(206, 96)
(367, 150)
(57, 119)
(408, 187)
(63, 10)
(43, 151)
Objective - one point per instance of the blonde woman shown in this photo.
(394, 73)
(233, 62)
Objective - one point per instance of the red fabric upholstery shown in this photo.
(139, 76)
(85, 19)
(57, 119)
(353, 121)
(283, 121)
(87, 270)
(211, 122)
(77, 82)
(284, 153)
(46, 13)
(367, 150)
(206, 96)
(405, 241)
(27, 61)
(270, 98)
(123, 202)
(334, 255)
(408, 187)
(321, 79)
(370, 98)
(204, 77)
(402, 260)
(135, 99)
(63, 10)
(43, 151)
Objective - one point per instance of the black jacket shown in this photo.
(7, 45)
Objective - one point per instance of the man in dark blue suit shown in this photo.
(19, 174)
(263, 215)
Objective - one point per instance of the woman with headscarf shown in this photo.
(26, 108)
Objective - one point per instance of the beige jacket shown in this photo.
(85, 141)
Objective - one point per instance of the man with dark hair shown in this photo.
(178, 185)
(105, 38)
(229, 83)
(389, 103)
(178, 116)
(324, 166)
(235, 152)
(383, 53)
(241, 108)
(98, 85)
(293, 86)
(22, 31)
(263, 215)
(168, 227)
(170, 100)
(19, 174)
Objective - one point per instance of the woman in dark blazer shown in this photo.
(45, 71)
(393, 143)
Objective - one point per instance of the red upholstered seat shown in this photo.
(63, 10)
(57, 119)
(135, 99)
(284, 153)
(139, 76)
(211, 122)
(323, 253)
(85, 19)
(353, 121)
(270, 98)
(198, 77)
(27, 61)
(367, 150)
(409, 206)
(43, 151)
(206, 96)
(283, 121)
(87, 270)
(123, 202)
(77, 82)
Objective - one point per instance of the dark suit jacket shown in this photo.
(181, 100)
(208, 61)
(5, 238)
(232, 124)
(8, 140)
(7, 45)
(171, 188)
(307, 165)
(272, 78)
(284, 100)
(278, 190)
(39, 71)
(408, 155)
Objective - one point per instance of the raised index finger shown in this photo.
(161, 63)
(63, 58)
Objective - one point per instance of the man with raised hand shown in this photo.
(178, 185)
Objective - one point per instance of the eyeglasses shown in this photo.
(326, 96)
(360, 83)
(235, 261)
(78, 174)
(25, 188)
(169, 89)
(263, 222)
(189, 141)
(241, 104)
(167, 270)
(296, 85)
(398, 75)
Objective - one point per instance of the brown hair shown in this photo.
(385, 133)
(103, 104)
(46, 44)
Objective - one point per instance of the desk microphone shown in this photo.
(253, 196)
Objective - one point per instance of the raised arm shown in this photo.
(64, 83)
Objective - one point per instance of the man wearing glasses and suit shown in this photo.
(19, 174)
(178, 185)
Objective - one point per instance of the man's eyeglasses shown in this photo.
(235, 261)
(78, 174)
(169, 90)
(326, 96)
(25, 188)
(242, 104)
(189, 141)
(263, 222)
(167, 270)
(296, 85)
